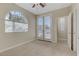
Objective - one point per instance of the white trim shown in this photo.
(14, 46)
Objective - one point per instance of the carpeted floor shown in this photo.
(40, 48)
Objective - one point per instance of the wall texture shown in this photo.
(8, 40)
(55, 16)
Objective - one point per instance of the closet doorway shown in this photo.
(62, 29)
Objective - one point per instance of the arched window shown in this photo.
(15, 21)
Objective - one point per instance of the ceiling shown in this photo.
(39, 10)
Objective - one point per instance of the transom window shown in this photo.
(15, 21)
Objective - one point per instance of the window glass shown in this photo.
(8, 26)
(20, 27)
(15, 22)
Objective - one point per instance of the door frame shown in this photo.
(43, 28)
(72, 32)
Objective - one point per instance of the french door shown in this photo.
(44, 28)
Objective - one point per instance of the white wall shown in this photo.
(74, 28)
(69, 30)
(74, 12)
(8, 40)
(77, 24)
(60, 13)
(55, 15)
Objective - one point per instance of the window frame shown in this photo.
(14, 22)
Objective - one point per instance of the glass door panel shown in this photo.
(47, 28)
(40, 28)
(44, 28)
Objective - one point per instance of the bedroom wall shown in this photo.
(8, 40)
(74, 18)
(76, 28)
(55, 16)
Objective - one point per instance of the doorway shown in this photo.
(44, 28)
(62, 29)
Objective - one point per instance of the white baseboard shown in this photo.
(3, 50)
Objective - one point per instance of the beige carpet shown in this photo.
(40, 48)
